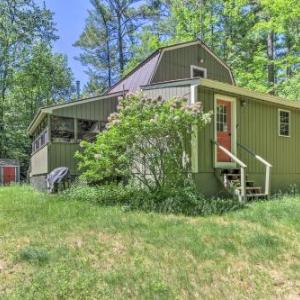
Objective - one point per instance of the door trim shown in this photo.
(233, 130)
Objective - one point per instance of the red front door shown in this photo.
(9, 175)
(223, 123)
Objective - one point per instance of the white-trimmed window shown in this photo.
(198, 72)
(284, 120)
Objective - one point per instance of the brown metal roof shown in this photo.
(139, 76)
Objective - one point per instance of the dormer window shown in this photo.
(198, 72)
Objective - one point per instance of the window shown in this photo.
(40, 137)
(62, 129)
(88, 130)
(222, 118)
(284, 122)
(198, 72)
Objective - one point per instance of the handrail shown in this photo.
(231, 155)
(242, 166)
(255, 155)
(267, 164)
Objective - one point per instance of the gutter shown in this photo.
(239, 91)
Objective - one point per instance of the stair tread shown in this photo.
(250, 187)
(237, 180)
(256, 195)
(231, 174)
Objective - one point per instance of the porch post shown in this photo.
(76, 130)
(49, 127)
(195, 134)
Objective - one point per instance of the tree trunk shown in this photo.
(108, 63)
(2, 127)
(271, 66)
(105, 20)
(288, 43)
(120, 44)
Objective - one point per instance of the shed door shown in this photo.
(9, 175)
(224, 136)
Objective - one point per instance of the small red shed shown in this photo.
(9, 171)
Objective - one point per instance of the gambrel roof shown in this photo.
(143, 74)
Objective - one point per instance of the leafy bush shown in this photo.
(142, 161)
(147, 140)
(176, 201)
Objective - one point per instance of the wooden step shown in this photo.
(230, 171)
(231, 176)
(251, 190)
(237, 183)
(256, 196)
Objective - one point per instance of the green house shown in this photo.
(249, 149)
(57, 130)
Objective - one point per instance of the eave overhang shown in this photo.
(44, 111)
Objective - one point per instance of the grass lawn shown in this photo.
(56, 249)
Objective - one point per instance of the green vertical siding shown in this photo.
(175, 64)
(257, 128)
(62, 155)
(169, 92)
(93, 110)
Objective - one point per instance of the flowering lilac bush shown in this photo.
(146, 141)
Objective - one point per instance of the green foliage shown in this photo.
(34, 255)
(258, 39)
(108, 35)
(109, 194)
(31, 76)
(147, 140)
(180, 200)
(23, 24)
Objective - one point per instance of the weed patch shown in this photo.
(34, 255)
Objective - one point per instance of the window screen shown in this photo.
(62, 129)
(284, 123)
(88, 130)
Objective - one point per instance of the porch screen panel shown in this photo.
(62, 129)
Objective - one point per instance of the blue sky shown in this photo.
(70, 18)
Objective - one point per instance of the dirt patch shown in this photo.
(3, 266)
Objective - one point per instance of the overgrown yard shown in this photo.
(56, 249)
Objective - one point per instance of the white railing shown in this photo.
(263, 161)
(242, 165)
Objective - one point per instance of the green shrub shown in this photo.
(147, 140)
(183, 200)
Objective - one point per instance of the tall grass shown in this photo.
(56, 249)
